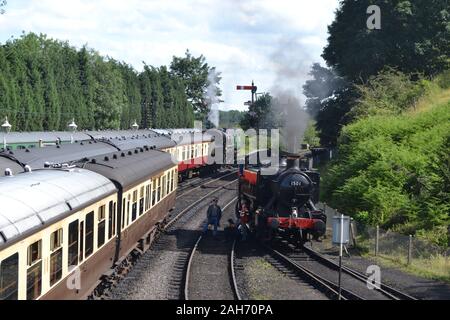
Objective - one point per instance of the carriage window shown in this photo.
(134, 211)
(110, 219)
(34, 252)
(147, 197)
(9, 275)
(163, 186)
(158, 193)
(141, 201)
(101, 226)
(123, 212)
(73, 244)
(141, 206)
(81, 241)
(114, 218)
(128, 210)
(89, 237)
(56, 256)
(34, 272)
(154, 187)
(168, 182)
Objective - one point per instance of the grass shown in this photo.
(435, 267)
(436, 97)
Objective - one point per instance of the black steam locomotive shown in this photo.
(282, 204)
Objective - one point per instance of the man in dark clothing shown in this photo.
(213, 215)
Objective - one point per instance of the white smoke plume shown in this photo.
(212, 98)
(292, 63)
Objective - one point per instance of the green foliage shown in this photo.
(389, 92)
(261, 115)
(332, 115)
(414, 38)
(324, 84)
(230, 119)
(194, 73)
(311, 135)
(2, 4)
(394, 170)
(44, 83)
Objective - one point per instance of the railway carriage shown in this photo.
(78, 222)
(146, 182)
(58, 227)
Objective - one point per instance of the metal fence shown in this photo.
(400, 248)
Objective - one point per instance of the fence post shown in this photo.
(410, 249)
(352, 231)
(377, 237)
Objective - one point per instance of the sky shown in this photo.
(273, 42)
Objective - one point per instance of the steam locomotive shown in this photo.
(282, 204)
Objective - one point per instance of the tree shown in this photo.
(194, 72)
(44, 83)
(332, 115)
(413, 38)
(2, 4)
(260, 115)
(324, 84)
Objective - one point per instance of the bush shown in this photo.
(394, 171)
(388, 93)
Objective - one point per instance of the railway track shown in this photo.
(385, 289)
(207, 275)
(155, 274)
(322, 273)
(196, 183)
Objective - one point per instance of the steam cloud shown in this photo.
(292, 63)
(293, 117)
(212, 98)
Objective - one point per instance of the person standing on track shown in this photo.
(213, 215)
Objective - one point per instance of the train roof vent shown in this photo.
(130, 153)
(81, 143)
(27, 168)
(27, 150)
(106, 158)
(114, 156)
(122, 154)
(93, 161)
(8, 172)
(136, 151)
(46, 164)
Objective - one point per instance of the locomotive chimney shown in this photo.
(292, 161)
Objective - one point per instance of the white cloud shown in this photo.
(243, 39)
